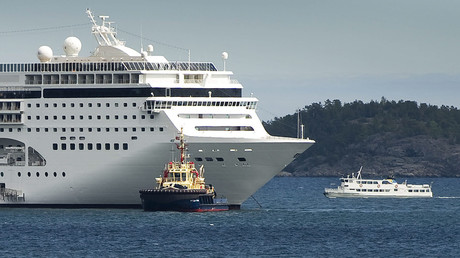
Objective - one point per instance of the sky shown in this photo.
(288, 54)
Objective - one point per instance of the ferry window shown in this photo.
(72, 146)
(242, 159)
(134, 116)
(90, 129)
(134, 129)
(29, 117)
(72, 117)
(72, 104)
(37, 105)
(81, 146)
(107, 146)
(134, 104)
(63, 174)
(98, 117)
(98, 104)
(410, 190)
(63, 117)
(125, 129)
(116, 146)
(125, 117)
(63, 104)
(90, 146)
(28, 174)
(152, 116)
(90, 104)
(116, 116)
(125, 104)
(358, 190)
(81, 117)
(116, 104)
(125, 146)
(54, 129)
(364, 190)
(63, 130)
(116, 129)
(427, 190)
(385, 182)
(208, 159)
(143, 129)
(81, 104)
(98, 129)
(98, 146)
(55, 146)
(54, 104)
(220, 159)
(1, 174)
(416, 190)
(19, 129)
(142, 116)
(107, 129)
(46, 104)
(133, 137)
(369, 182)
(46, 129)
(90, 117)
(107, 104)
(37, 130)
(46, 174)
(37, 174)
(198, 159)
(161, 129)
(395, 190)
(107, 117)
(152, 129)
(19, 174)
(63, 146)
(55, 174)
(376, 190)
(29, 105)
(46, 117)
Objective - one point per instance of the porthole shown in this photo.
(55, 174)
(19, 174)
(46, 174)
(63, 174)
(38, 174)
(29, 174)
(242, 159)
(1, 174)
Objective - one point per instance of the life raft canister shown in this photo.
(396, 186)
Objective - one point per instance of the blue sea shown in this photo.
(288, 217)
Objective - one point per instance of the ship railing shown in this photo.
(106, 66)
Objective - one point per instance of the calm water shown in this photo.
(295, 220)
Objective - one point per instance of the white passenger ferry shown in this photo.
(356, 186)
(89, 131)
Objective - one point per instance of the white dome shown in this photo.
(72, 46)
(224, 55)
(45, 54)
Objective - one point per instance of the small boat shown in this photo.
(356, 186)
(182, 187)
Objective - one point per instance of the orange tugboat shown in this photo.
(182, 188)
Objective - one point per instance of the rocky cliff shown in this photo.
(385, 154)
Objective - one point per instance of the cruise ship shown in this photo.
(88, 131)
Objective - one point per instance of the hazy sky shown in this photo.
(288, 53)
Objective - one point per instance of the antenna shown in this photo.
(224, 58)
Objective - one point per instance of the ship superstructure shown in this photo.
(87, 131)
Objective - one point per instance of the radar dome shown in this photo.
(224, 55)
(45, 54)
(72, 46)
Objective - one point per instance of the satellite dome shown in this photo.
(45, 54)
(72, 46)
(224, 55)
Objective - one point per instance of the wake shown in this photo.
(448, 197)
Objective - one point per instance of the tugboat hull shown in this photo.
(191, 200)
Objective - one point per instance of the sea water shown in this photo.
(288, 217)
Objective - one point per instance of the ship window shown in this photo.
(143, 129)
(99, 117)
(358, 190)
(46, 104)
(72, 117)
(242, 159)
(375, 182)
(90, 129)
(134, 129)
(107, 129)
(72, 104)
(81, 146)
(37, 130)
(72, 146)
(134, 116)
(54, 129)
(19, 174)
(116, 146)
(116, 129)
(125, 146)
(55, 146)
(427, 190)
(125, 129)
(107, 146)
(98, 146)
(125, 117)
(37, 174)
(161, 129)
(63, 146)
(29, 105)
(90, 146)
(29, 117)
(416, 191)
(37, 117)
(125, 104)
(410, 190)
(220, 159)
(90, 104)
(134, 104)
(98, 104)
(376, 190)
(152, 116)
(133, 137)
(395, 190)
(54, 104)
(46, 117)
(63, 104)
(198, 159)
(63, 174)
(116, 116)
(107, 117)
(208, 158)
(29, 174)
(63, 130)
(81, 104)
(107, 104)
(98, 129)
(142, 116)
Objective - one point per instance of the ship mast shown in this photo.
(105, 35)
(181, 146)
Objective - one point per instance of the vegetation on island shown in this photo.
(339, 128)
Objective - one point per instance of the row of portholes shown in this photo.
(29, 174)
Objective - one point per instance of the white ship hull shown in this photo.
(93, 131)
